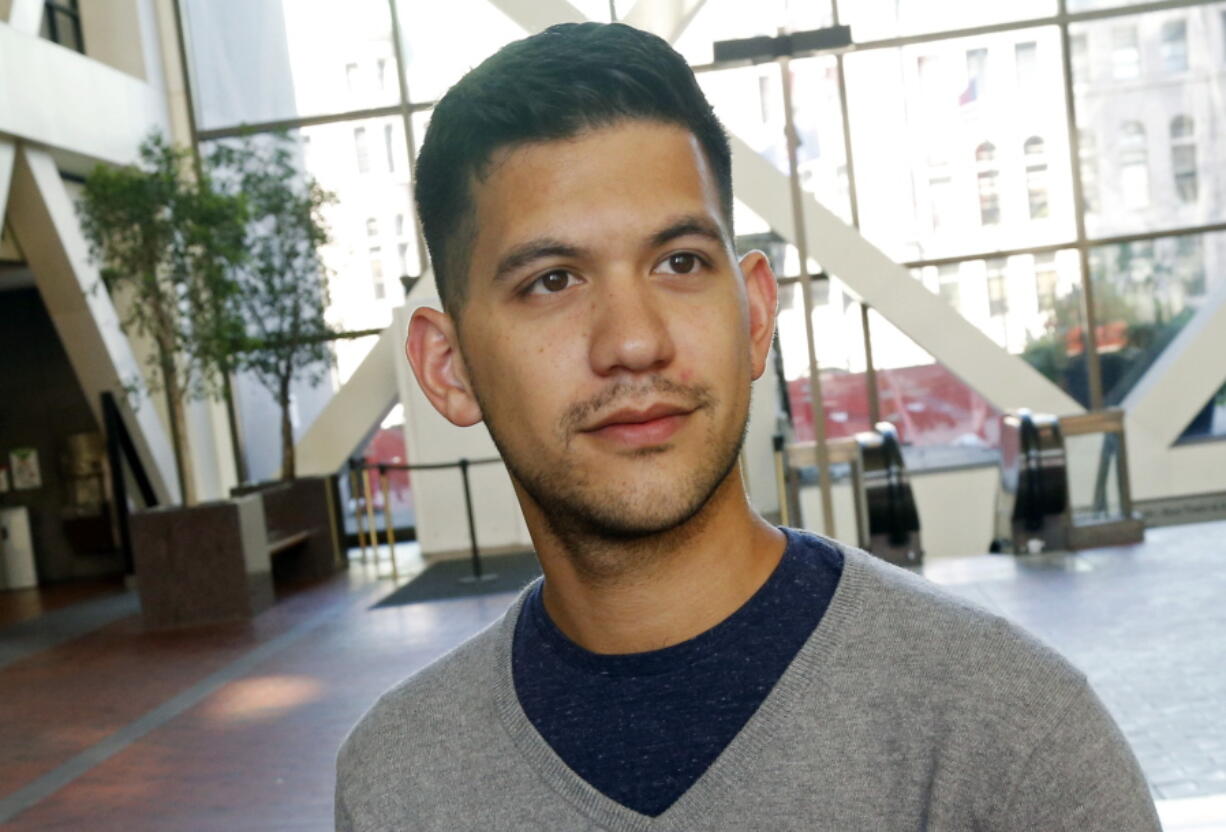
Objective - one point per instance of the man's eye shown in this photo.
(682, 262)
(550, 283)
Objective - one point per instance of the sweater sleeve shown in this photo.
(1080, 775)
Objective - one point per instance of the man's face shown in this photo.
(608, 337)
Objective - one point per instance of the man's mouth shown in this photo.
(640, 427)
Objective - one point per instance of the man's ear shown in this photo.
(434, 353)
(762, 292)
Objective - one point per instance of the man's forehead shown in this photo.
(628, 178)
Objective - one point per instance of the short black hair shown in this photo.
(555, 84)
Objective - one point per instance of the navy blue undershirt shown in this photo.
(642, 727)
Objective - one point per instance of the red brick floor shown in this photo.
(258, 753)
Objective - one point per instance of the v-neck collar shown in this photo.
(728, 772)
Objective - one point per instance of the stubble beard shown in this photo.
(607, 531)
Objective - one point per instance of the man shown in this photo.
(683, 665)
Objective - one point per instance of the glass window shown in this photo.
(376, 272)
(976, 75)
(1079, 48)
(1149, 180)
(876, 19)
(1087, 150)
(940, 420)
(361, 150)
(437, 56)
(61, 24)
(400, 225)
(998, 295)
(1026, 63)
(389, 146)
(372, 227)
(1134, 165)
(402, 254)
(1183, 158)
(1125, 53)
(839, 343)
(915, 210)
(1036, 177)
(268, 60)
(1175, 46)
(749, 102)
(1029, 304)
(1210, 420)
(1144, 294)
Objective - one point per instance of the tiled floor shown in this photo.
(235, 727)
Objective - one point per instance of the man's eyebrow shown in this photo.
(538, 249)
(690, 224)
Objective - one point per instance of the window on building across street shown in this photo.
(1026, 63)
(989, 185)
(372, 227)
(1079, 49)
(388, 144)
(376, 272)
(976, 75)
(1046, 280)
(1183, 158)
(948, 286)
(351, 76)
(381, 73)
(400, 225)
(1134, 165)
(403, 251)
(1175, 46)
(1087, 150)
(361, 150)
(1125, 53)
(1036, 176)
(62, 24)
(998, 304)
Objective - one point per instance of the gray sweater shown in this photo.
(906, 709)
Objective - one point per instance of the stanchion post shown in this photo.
(781, 483)
(372, 531)
(472, 526)
(357, 510)
(387, 520)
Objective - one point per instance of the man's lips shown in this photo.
(640, 427)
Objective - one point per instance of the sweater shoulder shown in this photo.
(905, 620)
(429, 704)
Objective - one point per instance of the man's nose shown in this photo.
(630, 332)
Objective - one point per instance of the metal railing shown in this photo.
(364, 506)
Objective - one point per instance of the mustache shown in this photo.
(579, 414)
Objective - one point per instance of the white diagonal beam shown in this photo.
(535, 15)
(666, 18)
(8, 157)
(26, 16)
(1006, 381)
(348, 416)
(44, 221)
(1187, 373)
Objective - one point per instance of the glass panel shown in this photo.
(1148, 108)
(265, 60)
(940, 420)
(736, 19)
(437, 56)
(1210, 420)
(1029, 304)
(840, 359)
(1093, 476)
(387, 446)
(876, 19)
(1144, 293)
(985, 165)
(749, 103)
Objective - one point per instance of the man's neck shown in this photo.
(669, 588)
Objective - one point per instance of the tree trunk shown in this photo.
(287, 432)
(176, 415)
